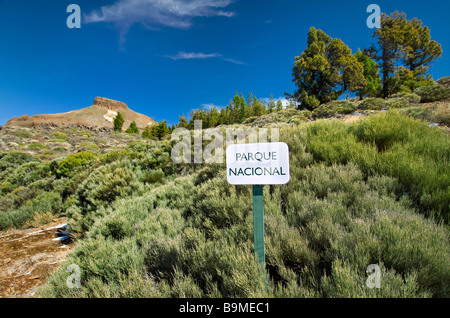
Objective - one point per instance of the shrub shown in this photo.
(419, 112)
(88, 146)
(154, 176)
(217, 204)
(347, 282)
(432, 93)
(333, 108)
(373, 103)
(102, 187)
(331, 141)
(441, 114)
(68, 166)
(411, 97)
(15, 218)
(406, 149)
(132, 129)
(22, 133)
(59, 135)
(398, 102)
(10, 160)
(383, 130)
(36, 146)
(298, 119)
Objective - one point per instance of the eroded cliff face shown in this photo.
(109, 104)
(100, 115)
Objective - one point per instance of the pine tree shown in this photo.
(271, 105)
(324, 70)
(147, 133)
(352, 74)
(401, 41)
(160, 130)
(213, 117)
(371, 74)
(418, 50)
(279, 105)
(118, 122)
(133, 128)
(223, 116)
(183, 123)
(241, 107)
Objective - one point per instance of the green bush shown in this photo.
(358, 195)
(441, 114)
(419, 112)
(334, 108)
(26, 204)
(347, 282)
(36, 146)
(432, 93)
(398, 102)
(22, 133)
(372, 103)
(60, 135)
(392, 145)
(70, 165)
(15, 218)
(154, 176)
(411, 97)
(88, 146)
(10, 160)
(384, 130)
(103, 186)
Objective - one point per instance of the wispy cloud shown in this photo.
(284, 101)
(198, 55)
(192, 55)
(158, 13)
(208, 107)
(235, 62)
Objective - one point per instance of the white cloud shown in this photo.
(192, 55)
(155, 13)
(198, 55)
(284, 101)
(208, 107)
(235, 62)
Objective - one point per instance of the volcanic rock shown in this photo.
(444, 81)
(98, 116)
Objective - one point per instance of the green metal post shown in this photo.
(258, 227)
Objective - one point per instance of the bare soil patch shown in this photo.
(27, 258)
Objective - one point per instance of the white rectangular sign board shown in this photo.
(259, 164)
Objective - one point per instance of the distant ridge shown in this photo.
(100, 115)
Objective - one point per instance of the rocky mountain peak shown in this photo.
(109, 104)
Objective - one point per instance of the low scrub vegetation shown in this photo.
(370, 192)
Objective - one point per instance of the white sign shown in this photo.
(262, 163)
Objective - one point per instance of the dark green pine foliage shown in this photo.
(118, 122)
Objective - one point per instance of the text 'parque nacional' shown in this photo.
(259, 163)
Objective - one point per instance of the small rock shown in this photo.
(33, 277)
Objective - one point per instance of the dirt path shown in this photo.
(27, 257)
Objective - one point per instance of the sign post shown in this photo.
(258, 228)
(258, 224)
(258, 164)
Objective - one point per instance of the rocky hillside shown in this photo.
(48, 143)
(100, 115)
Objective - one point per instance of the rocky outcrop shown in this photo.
(109, 104)
(98, 116)
(444, 81)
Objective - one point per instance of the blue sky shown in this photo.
(166, 57)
